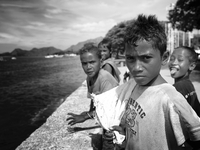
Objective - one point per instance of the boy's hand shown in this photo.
(74, 118)
(119, 129)
(120, 140)
(108, 135)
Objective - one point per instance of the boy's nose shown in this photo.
(138, 66)
(89, 66)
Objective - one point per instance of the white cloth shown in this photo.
(110, 106)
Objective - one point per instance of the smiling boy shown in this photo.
(182, 62)
(107, 62)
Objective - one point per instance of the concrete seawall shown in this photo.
(54, 134)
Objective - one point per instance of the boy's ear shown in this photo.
(192, 66)
(165, 58)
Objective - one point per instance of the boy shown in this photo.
(108, 64)
(157, 117)
(98, 80)
(182, 61)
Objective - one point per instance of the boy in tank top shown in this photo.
(107, 61)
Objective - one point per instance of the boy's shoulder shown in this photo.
(105, 76)
(108, 61)
(103, 73)
(184, 84)
(167, 90)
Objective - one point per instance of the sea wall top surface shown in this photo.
(54, 134)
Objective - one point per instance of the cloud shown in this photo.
(38, 23)
(101, 26)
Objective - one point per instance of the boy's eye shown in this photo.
(83, 63)
(92, 62)
(171, 59)
(146, 57)
(129, 58)
(180, 59)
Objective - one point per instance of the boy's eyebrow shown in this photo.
(147, 54)
(144, 54)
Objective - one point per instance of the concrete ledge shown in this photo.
(54, 134)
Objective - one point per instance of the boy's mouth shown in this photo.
(90, 72)
(173, 70)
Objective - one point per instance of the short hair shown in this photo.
(147, 28)
(90, 47)
(107, 42)
(193, 55)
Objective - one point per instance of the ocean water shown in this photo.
(30, 91)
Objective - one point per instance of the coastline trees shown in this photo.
(185, 15)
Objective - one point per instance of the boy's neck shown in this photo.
(93, 80)
(156, 81)
(186, 76)
(139, 89)
(106, 59)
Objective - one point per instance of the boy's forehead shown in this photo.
(141, 46)
(103, 46)
(89, 54)
(181, 51)
(140, 43)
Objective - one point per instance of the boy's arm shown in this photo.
(74, 118)
(187, 115)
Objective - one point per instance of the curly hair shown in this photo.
(90, 47)
(147, 28)
(107, 42)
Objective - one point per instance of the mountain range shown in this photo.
(39, 52)
(78, 46)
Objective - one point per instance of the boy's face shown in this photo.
(179, 63)
(90, 64)
(143, 61)
(105, 52)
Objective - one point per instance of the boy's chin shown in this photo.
(92, 75)
(175, 76)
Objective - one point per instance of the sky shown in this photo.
(28, 24)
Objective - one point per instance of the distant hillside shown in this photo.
(78, 46)
(43, 51)
(18, 52)
(33, 53)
